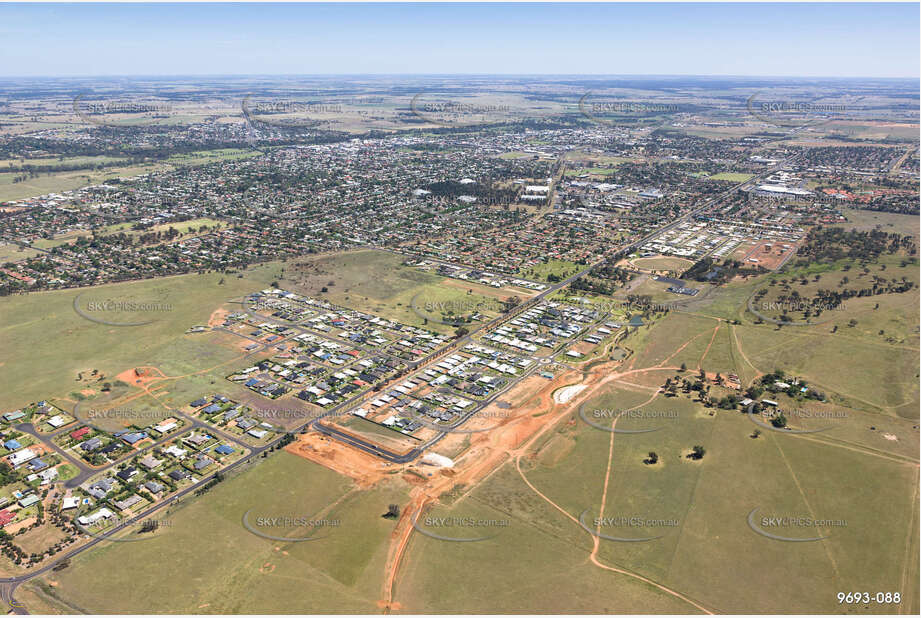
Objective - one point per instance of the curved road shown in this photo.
(8, 585)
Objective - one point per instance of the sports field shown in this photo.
(663, 262)
(731, 176)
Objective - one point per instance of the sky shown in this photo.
(815, 40)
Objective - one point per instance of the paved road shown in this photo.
(412, 363)
(8, 585)
(86, 471)
(528, 303)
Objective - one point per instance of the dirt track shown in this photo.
(534, 411)
(365, 469)
(536, 414)
(488, 450)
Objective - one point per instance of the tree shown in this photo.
(150, 525)
(697, 452)
(754, 392)
(652, 458)
(756, 433)
(684, 367)
(393, 511)
(779, 420)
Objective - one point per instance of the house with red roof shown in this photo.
(76, 435)
(6, 517)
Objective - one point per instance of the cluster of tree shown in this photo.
(697, 452)
(665, 173)
(149, 525)
(824, 300)
(829, 244)
(139, 144)
(699, 269)
(645, 304)
(23, 177)
(706, 270)
(768, 382)
(604, 279)
(34, 169)
(900, 203)
(873, 158)
(590, 284)
(15, 553)
(510, 303)
(673, 142)
(483, 192)
(729, 402)
(286, 439)
(686, 385)
(613, 273)
(7, 474)
(10, 549)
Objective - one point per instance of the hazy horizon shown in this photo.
(518, 39)
(479, 75)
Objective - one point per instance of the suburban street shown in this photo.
(8, 585)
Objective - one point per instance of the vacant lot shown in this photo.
(699, 510)
(93, 173)
(183, 227)
(46, 343)
(876, 377)
(797, 289)
(337, 572)
(553, 268)
(865, 220)
(535, 564)
(55, 182)
(85, 161)
(375, 281)
(10, 252)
